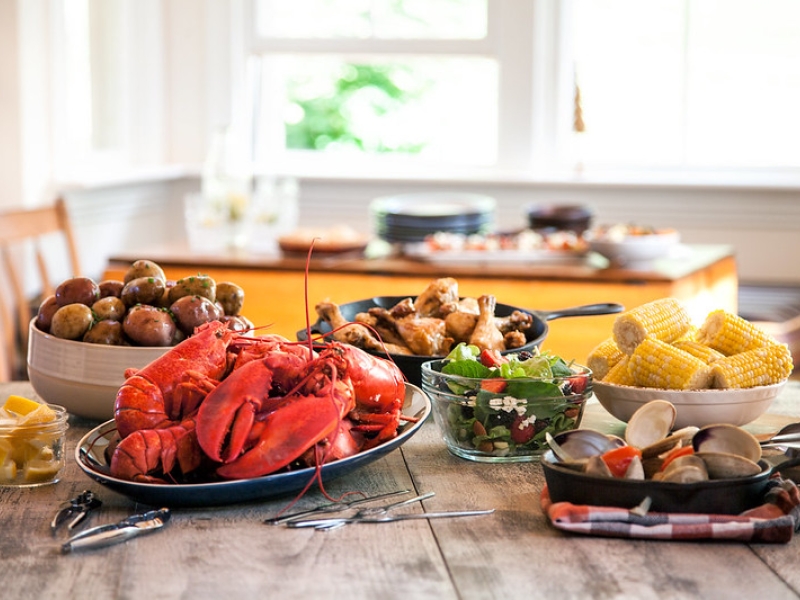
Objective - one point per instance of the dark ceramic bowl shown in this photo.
(564, 217)
(716, 496)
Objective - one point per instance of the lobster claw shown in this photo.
(287, 433)
(253, 434)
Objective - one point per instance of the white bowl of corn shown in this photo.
(726, 370)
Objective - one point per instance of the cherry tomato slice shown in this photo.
(496, 386)
(676, 453)
(618, 459)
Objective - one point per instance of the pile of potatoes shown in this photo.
(145, 309)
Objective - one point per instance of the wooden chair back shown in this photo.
(20, 231)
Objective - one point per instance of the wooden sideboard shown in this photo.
(704, 277)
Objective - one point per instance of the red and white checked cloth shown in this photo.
(775, 521)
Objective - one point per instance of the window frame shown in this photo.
(523, 36)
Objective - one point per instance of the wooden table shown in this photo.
(227, 552)
(703, 277)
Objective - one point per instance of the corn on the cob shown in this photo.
(760, 366)
(731, 334)
(618, 374)
(657, 364)
(604, 356)
(665, 319)
(696, 349)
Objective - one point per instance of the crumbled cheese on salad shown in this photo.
(509, 403)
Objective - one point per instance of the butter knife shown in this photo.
(389, 518)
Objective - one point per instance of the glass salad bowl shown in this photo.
(499, 408)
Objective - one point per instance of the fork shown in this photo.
(371, 511)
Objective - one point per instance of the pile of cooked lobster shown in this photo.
(226, 405)
(430, 325)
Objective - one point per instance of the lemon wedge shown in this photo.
(40, 471)
(20, 405)
(41, 414)
(8, 472)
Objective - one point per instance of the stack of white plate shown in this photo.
(410, 218)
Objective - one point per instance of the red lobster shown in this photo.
(252, 406)
(339, 397)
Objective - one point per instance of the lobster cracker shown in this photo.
(77, 509)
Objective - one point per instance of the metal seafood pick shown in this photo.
(364, 513)
(326, 524)
(332, 507)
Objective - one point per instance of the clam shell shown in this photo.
(676, 438)
(635, 469)
(727, 439)
(685, 474)
(578, 445)
(723, 465)
(693, 467)
(650, 423)
(596, 466)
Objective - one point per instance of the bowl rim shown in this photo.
(34, 330)
(428, 366)
(707, 395)
(634, 241)
(548, 461)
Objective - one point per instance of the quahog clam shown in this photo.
(684, 469)
(728, 451)
(574, 448)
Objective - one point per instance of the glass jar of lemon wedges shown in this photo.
(32, 442)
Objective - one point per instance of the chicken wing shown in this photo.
(438, 299)
(352, 333)
(486, 335)
(460, 325)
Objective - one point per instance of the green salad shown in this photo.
(510, 402)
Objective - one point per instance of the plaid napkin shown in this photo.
(775, 521)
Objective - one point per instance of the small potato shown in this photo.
(109, 308)
(196, 285)
(144, 268)
(236, 322)
(72, 321)
(77, 290)
(143, 290)
(44, 317)
(146, 325)
(192, 311)
(164, 302)
(231, 297)
(106, 332)
(110, 287)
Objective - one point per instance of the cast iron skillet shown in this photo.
(720, 496)
(410, 365)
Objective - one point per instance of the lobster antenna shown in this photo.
(305, 291)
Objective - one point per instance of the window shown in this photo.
(663, 84)
(378, 78)
(692, 83)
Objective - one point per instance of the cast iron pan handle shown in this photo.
(587, 310)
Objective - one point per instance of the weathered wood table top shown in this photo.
(227, 552)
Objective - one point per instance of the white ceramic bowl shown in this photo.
(82, 377)
(636, 251)
(695, 407)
